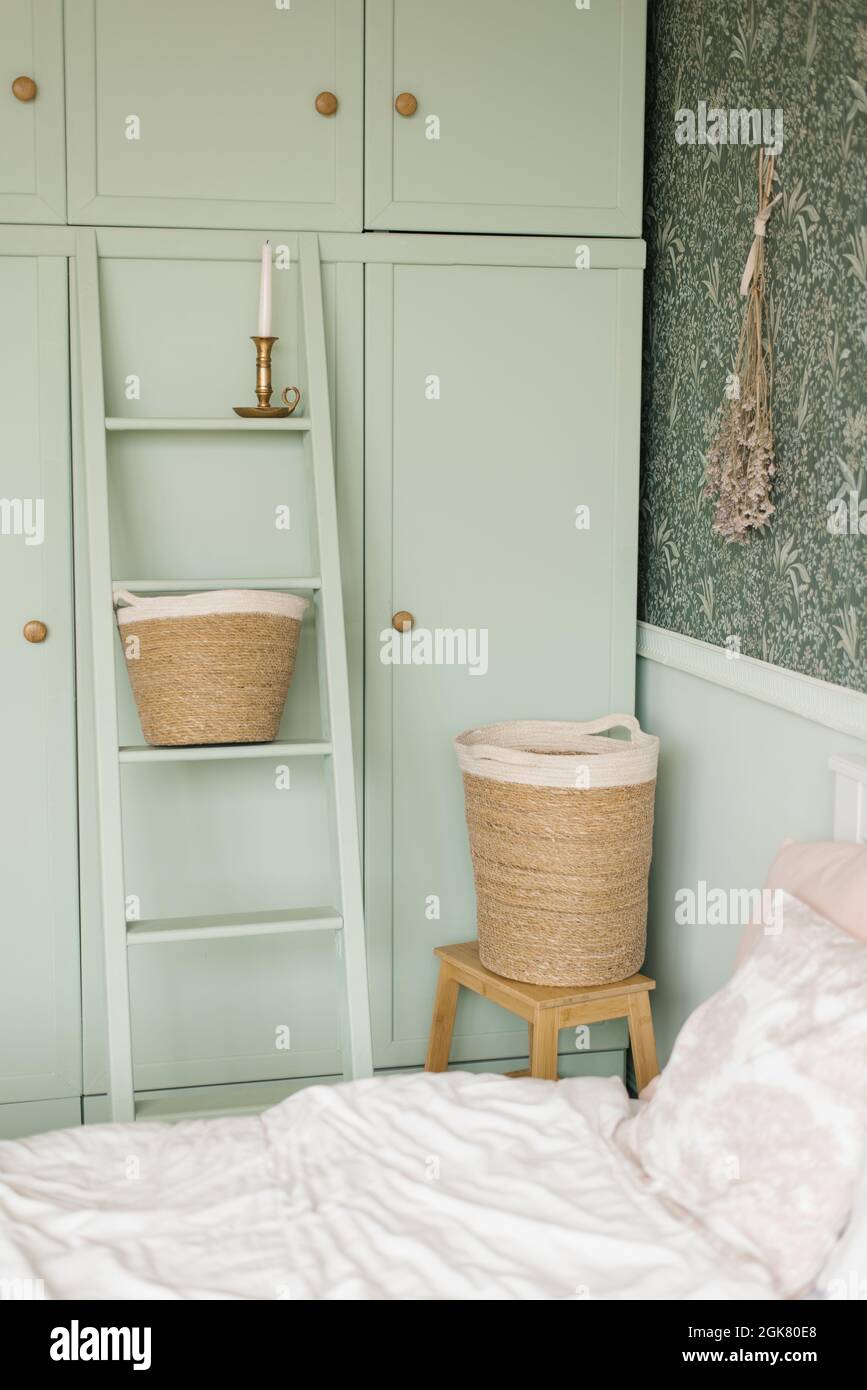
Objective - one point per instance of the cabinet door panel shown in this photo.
(40, 1047)
(530, 117)
(499, 401)
(195, 115)
(32, 158)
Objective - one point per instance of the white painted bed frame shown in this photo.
(850, 797)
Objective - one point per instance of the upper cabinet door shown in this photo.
(32, 167)
(513, 117)
(203, 115)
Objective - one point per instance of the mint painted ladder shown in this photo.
(346, 920)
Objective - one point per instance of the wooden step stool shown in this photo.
(546, 1008)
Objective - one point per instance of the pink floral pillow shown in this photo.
(757, 1125)
(828, 875)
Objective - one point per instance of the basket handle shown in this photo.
(124, 596)
(521, 758)
(133, 600)
(612, 721)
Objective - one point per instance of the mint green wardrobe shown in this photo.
(484, 392)
(40, 1055)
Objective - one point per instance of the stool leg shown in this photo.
(443, 1021)
(642, 1040)
(543, 1044)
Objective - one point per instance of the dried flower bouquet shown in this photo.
(740, 461)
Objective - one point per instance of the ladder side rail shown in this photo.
(103, 639)
(330, 619)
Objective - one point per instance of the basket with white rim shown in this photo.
(209, 668)
(560, 822)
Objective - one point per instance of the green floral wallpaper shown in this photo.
(796, 595)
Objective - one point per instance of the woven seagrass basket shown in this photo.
(560, 823)
(210, 667)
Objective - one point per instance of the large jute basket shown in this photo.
(560, 823)
(210, 667)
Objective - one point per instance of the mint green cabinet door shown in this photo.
(32, 157)
(203, 115)
(40, 1042)
(530, 117)
(501, 511)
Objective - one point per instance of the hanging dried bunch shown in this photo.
(740, 461)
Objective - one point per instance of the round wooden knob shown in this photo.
(326, 103)
(402, 621)
(24, 88)
(35, 631)
(405, 104)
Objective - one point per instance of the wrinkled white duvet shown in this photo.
(454, 1186)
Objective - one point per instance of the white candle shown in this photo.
(264, 329)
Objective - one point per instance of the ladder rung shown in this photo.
(192, 586)
(219, 752)
(208, 1102)
(203, 425)
(295, 919)
(151, 1111)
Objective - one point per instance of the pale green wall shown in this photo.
(736, 777)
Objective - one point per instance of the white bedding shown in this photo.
(453, 1186)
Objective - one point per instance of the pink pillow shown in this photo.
(829, 876)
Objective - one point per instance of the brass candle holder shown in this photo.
(264, 410)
